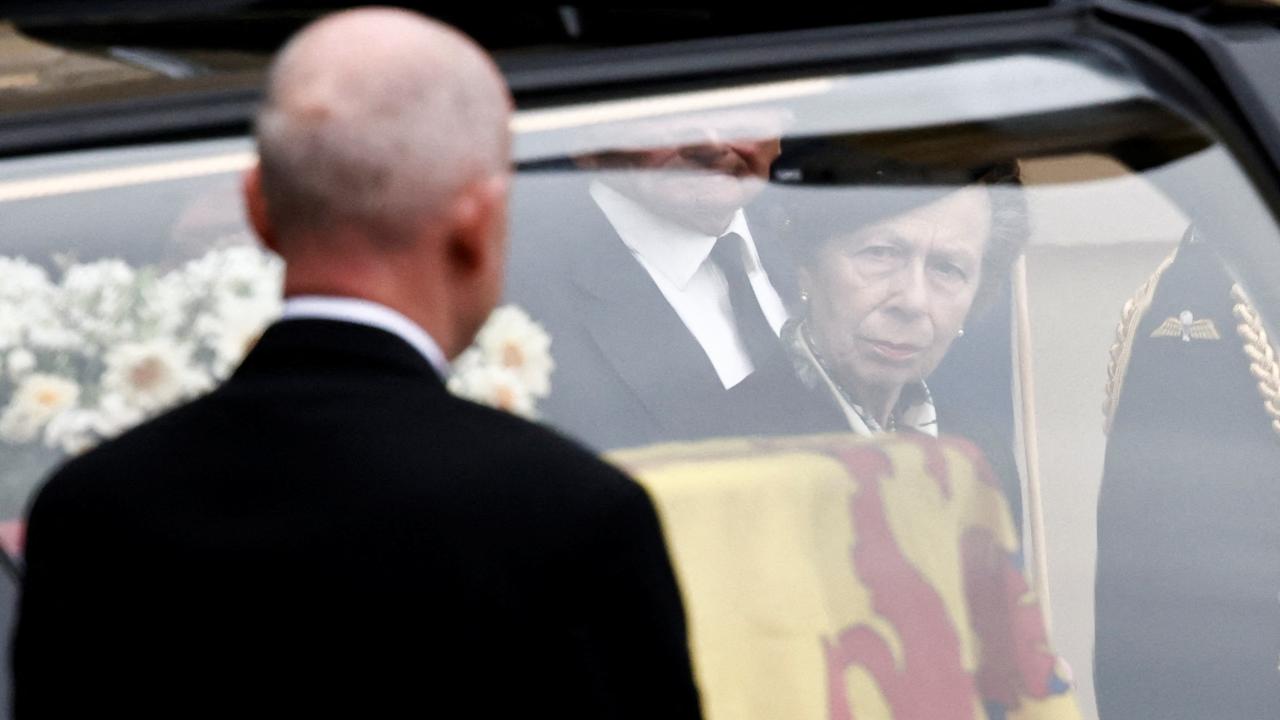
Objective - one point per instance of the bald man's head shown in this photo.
(374, 119)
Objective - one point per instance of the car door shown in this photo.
(1119, 377)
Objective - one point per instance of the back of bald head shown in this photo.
(374, 119)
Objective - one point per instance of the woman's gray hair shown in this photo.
(1010, 231)
(824, 208)
(337, 149)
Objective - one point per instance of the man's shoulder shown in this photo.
(122, 457)
(415, 451)
(533, 463)
(511, 439)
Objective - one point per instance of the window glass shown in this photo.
(882, 214)
(987, 249)
(130, 282)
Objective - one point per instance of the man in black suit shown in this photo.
(330, 532)
(663, 296)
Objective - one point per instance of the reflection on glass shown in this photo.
(711, 275)
(123, 306)
(889, 282)
(661, 251)
(663, 248)
(873, 191)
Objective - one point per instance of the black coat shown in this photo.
(331, 533)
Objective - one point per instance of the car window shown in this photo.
(1100, 375)
(130, 283)
(1033, 252)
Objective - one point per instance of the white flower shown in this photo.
(164, 307)
(26, 299)
(511, 339)
(20, 278)
(11, 326)
(238, 292)
(242, 273)
(78, 429)
(493, 386)
(99, 300)
(153, 374)
(19, 363)
(101, 280)
(467, 361)
(114, 415)
(73, 431)
(38, 399)
(231, 334)
(55, 336)
(232, 341)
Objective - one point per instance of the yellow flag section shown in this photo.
(833, 578)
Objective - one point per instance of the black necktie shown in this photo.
(729, 254)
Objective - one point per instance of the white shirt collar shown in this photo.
(671, 249)
(372, 314)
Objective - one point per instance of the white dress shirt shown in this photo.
(677, 258)
(367, 312)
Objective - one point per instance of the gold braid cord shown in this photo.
(1262, 356)
(1130, 317)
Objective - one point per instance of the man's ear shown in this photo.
(479, 224)
(255, 205)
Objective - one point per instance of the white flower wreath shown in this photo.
(110, 345)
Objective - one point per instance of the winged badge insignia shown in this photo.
(1188, 328)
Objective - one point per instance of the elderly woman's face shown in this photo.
(887, 300)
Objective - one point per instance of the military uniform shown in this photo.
(1188, 613)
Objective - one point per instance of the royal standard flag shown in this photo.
(836, 578)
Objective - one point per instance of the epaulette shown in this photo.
(1262, 354)
(1130, 318)
(1257, 345)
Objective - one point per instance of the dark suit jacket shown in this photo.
(958, 420)
(332, 533)
(628, 371)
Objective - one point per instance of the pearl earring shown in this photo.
(960, 332)
(804, 297)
